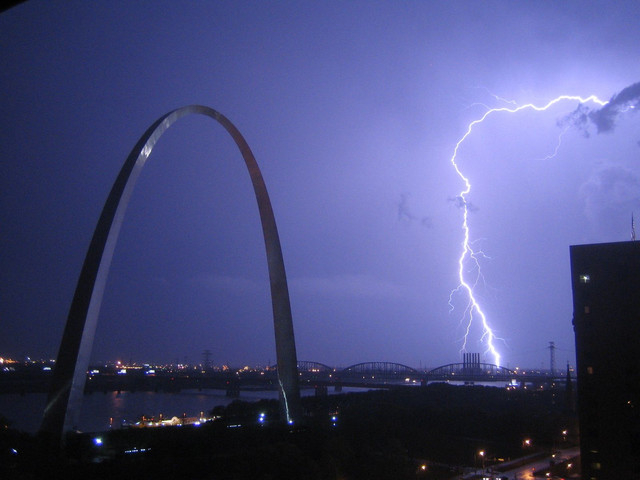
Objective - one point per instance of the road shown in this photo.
(528, 470)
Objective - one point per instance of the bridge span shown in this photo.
(390, 374)
(310, 374)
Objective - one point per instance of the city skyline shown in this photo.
(353, 112)
(193, 363)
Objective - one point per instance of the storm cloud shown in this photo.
(605, 118)
(346, 107)
(610, 189)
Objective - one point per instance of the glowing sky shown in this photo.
(353, 110)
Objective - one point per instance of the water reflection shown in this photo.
(25, 411)
(101, 411)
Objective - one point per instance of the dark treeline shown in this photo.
(375, 435)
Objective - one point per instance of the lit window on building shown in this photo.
(585, 278)
(586, 309)
(590, 370)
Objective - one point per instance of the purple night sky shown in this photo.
(353, 110)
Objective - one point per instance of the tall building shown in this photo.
(606, 321)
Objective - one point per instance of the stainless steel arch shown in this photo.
(69, 373)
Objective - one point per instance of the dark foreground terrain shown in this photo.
(408, 433)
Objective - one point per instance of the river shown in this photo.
(24, 412)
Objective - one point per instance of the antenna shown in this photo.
(552, 359)
(633, 229)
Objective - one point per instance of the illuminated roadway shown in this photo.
(536, 468)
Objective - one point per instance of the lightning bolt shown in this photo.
(555, 151)
(471, 256)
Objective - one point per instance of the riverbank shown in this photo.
(373, 435)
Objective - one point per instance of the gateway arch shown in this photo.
(69, 375)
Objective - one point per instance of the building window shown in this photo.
(590, 370)
(585, 278)
(586, 309)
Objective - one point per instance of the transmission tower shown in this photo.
(206, 360)
(552, 357)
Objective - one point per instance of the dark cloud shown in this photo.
(426, 222)
(578, 119)
(604, 118)
(405, 213)
(460, 202)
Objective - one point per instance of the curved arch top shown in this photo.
(77, 341)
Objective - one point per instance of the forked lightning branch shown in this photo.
(469, 269)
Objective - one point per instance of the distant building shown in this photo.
(606, 320)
